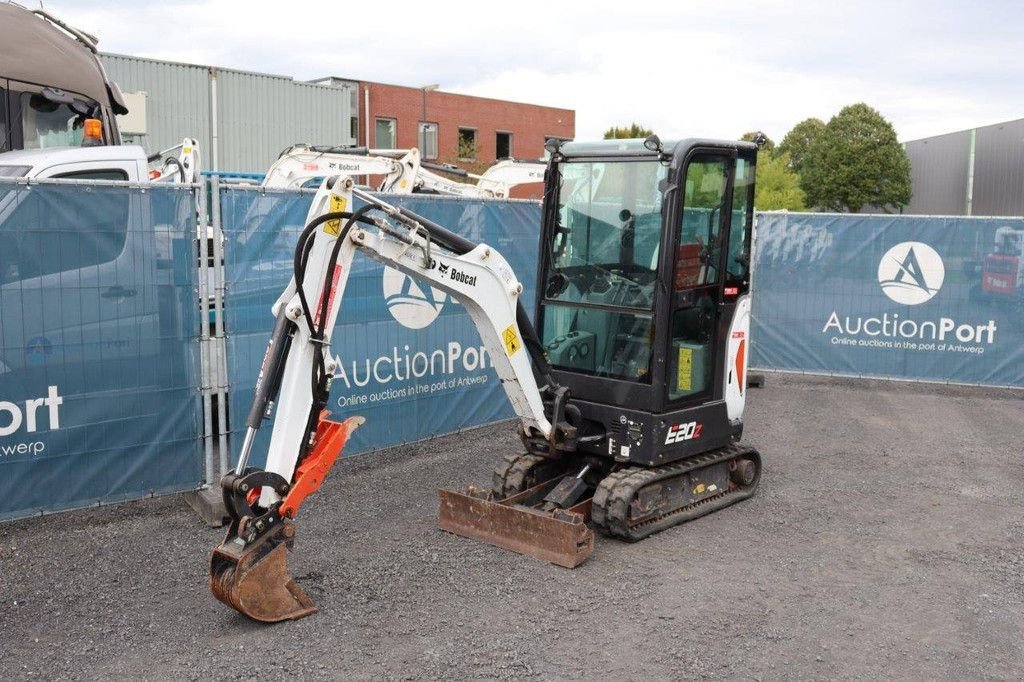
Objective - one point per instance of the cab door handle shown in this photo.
(118, 291)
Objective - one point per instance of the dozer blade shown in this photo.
(254, 580)
(516, 523)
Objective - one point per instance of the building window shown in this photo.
(385, 137)
(428, 140)
(467, 144)
(503, 146)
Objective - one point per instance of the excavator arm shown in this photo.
(248, 569)
(301, 163)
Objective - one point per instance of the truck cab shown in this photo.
(51, 82)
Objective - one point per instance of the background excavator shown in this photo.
(629, 385)
(402, 171)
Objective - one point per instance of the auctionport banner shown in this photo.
(98, 353)
(908, 297)
(412, 362)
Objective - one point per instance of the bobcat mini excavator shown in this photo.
(629, 387)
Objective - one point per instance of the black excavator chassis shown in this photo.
(632, 503)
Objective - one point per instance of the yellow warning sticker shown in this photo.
(511, 339)
(684, 372)
(338, 204)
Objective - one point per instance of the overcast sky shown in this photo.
(683, 68)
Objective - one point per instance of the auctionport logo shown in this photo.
(411, 305)
(911, 273)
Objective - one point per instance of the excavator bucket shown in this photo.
(249, 570)
(254, 579)
(520, 523)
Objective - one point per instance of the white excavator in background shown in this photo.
(302, 163)
(403, 171)
(630, 389)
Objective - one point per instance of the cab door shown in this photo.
(699, 247)
(80, 268)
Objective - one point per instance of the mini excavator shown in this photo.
(629, 386)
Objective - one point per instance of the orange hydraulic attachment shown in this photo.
(331, 437)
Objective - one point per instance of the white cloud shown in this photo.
(684, 68)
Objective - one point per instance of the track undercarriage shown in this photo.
(538, 506)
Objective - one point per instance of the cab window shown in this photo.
(737, 264)
(699, 242)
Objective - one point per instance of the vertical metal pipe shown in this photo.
(220, 339)
(214, 133)
(204, 343)
(366, 117)
(970, 176)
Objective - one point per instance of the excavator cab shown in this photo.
(644, 279)
(643, 313)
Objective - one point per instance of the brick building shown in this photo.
(470, 131)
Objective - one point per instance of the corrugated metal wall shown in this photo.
(938, 172)
(257, 114)
(941, 172)
(999, 169)
(260, 115)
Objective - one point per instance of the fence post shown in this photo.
(220, 340)
(208, 503)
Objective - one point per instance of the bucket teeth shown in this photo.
(253, 579)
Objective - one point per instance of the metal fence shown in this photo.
(903, 297)
(98, 361)
(130, 337)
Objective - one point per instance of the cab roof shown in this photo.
(635, 147)
(34, 50)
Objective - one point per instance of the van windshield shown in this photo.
(47, 124)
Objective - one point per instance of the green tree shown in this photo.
(855, 162)
(798, 141)
(777, 186)
(769, 144)
(635, 130)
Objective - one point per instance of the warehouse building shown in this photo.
(244, 119)
(970, 172)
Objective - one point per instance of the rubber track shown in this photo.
(615, 494)
(510, 476)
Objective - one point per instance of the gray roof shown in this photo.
(33, 50)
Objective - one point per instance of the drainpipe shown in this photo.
(214, 142)
(366, 118)
(970, 176)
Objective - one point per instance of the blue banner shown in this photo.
(412, 361)
(98, 351)
(908, 297)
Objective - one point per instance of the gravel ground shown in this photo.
(886, 541)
